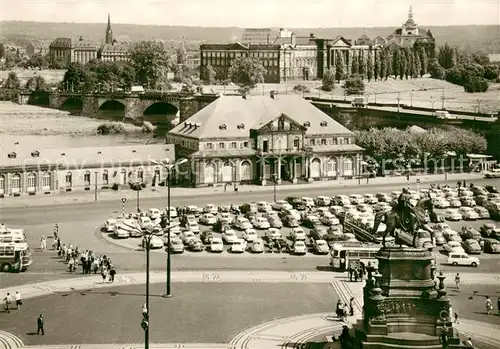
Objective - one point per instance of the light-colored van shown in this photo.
(443, 114)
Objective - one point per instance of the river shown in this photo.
(53, 128)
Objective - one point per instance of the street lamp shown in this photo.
(147, 236)
(275, 178)
(168, 166)
(137, 186)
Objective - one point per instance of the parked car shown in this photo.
(318, 233)
(467, 201)
(185, 219)
(194, 227)
(320, 247)
(439, 239)
(229, 236)
(196, 245)
(382, 206)
(251, 207)
(455, 203)
(260, 223)
(382, 197)
(482, 212)
(211, 208)
(297, 234)
(441, 202)
(216, 245)
(226, 217)
(263, 206)
(275, 222)
(356, 199)
(329, 219)
(280, 205)
(468, 213)
(257, 246)
(193, 210)
(491, 246)
(273, 234)
(154, 214)
(491, 189)
(453, 246)
(242, 223)
(145, 222)
(489, 229)
(462, 258)
(370, 199)
(310, 221)
(452, 215)
(155, 242)
(478, 190)
(239, 246)
(471, 246)
(309, 202)
(323, 201)
(172, 211)
(290, 221)
(208, 219)
(299, 247)
(110, 225)
(206, 237)
(176, 245)
(186, 236)
(220, 227)
(250, 235)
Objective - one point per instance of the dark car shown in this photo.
(481, 199)
(319, 233)
(491, 246)
(491, 189)
(290, 221)
(220, 226)
(206, 237)
(195, 245)
(488, 230)
(296, 203)
(477, 190)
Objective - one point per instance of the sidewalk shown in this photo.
(161, 192)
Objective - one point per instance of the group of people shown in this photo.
(344, 310)
(8, 301)
(356, 274)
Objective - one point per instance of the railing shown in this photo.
(360, 233)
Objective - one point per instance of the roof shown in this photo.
(254, 112)
(83, 44)
(86, 156)
(299, 41)
(240, 46)
(336, 148)
(225, 153)
(61, 43)
(121, 47)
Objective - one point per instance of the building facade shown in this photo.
(41, 48)
(221, 56)
(112, 50)
(298, 56)
(257, 36)
(26, 171)
(60, 51)
(255, 139)
(84, 51)
(410, 34)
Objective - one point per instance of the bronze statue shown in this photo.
(404, 216)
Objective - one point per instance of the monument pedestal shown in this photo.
(404, 307)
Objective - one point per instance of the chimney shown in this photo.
(294, 41)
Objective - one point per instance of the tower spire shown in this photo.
(410, 13)
(109, 31)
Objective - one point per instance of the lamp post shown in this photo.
(168, 166)
(138, 187)
(274, 185)
(95, 188)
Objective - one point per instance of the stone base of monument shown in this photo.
(404, 307)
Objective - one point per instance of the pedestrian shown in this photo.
(43, 244)
(56, 231)
(443, 338)
(58, 243)
(356, 275)
(488, 305)
(19, 301)
(459, 184)
(71, 265)
(39, 325)
(457, 281)
(8, 301)
(456, 318)
(464, 185)
(350, 271)
(498, 304)
(104, 274)
(351, 306)
(112, 274)
(345, 312)
(468, 343)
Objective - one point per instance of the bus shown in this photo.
(353, 254)
(9, 235)
(15, 257)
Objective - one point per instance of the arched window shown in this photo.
(15, 183)
(2, 184)
(69, 179)
(246, 171)
(348, 167)
(31, 182)
(331, 167)
(47, 181)
(209, 173)
(315, 169)
(227, 172)
(105, 177)
(140, 174)
(86, 178)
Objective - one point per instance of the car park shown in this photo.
(356, 199)
(226, 217)
(471, 246)
(110, 225)
(195, 245)
(145, 222)
(239, 246)
(468, 213)
(309, 202)
(297, 234)
(491, 246)
(348, 237)
(154, 214)
(187, 235)
(290, 221)
(264, 206)
(242, 223)
(250, 235)
(452, 215)
(329, 219)
(320, 211)
(208, 219)
(334, 233)
(462, 258)
(211, 208)
(257, 246)
(155, 242)
(216, 245)
(171, 212)
(176, 245)
(370, 199)
(482, 212)
(281, 205)
(320, 247)
(275, 222)
(453, 246)
(229, 236)
(273, 234)
(323, 201)
(294, 213)
(260, 223)
(299, 247)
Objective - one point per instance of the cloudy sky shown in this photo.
(256, 13)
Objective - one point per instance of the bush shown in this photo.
(490, 73)
(115, 186)
(354, 85)
(301, 88)
(328, 81)
(111, 128)
(476, 84)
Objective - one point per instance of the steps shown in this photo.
(9, 341)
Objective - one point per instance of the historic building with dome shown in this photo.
(410, 34)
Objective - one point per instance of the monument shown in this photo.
(404, 306)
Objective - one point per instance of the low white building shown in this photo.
(31, 171)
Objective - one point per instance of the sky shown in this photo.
(256, 13)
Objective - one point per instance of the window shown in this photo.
(296, 143)
(105, 177)
(223, 127)
(265, 146)
(221, 145)
(31, 181)
(140, 174)
(312, 142)
(245, 144)
(334, 140)
(47, 181)
(346, 140)
(233, 145)
(209, 146)
(69, 178)
(15, 183)
(86, 178)
(2, 184)
(340, 140)
(323, 141)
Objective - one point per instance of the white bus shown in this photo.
(353, 254)
(15, 257)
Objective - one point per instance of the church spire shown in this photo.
(410, 13)
(109, 31)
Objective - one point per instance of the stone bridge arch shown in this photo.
(114, 109)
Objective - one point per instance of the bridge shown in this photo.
(134, 106)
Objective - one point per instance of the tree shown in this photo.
(12, 82)
(435, 69)
(209, 75)
(383, 65)
(150, 59)
(355, 63)
(417, 68)
(376, 65)
(74, 78)
(36, 83)
(2, 50)
(490, 73)
(409, 62)
(246, 72)
(328, 81)
(59, 63)
(423, 61)
(362, 64)
(37, 61)
(339, 67)
(396, 62)
(370, 69)
(402, 64)
(447, 56)
(354, 85)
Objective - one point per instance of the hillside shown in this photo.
(484, 38)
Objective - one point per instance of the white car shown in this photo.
(365, 208)
(336, 209)
(297, 234)
(321, 247)
(242, 223)
(208, 219)
(216, 245)
(452, 215)
(193, 226)
(370, 199)
(239, 246)
(452, 235)
(299, 247)
(154, 214)
(226, 217)
(250, 235)
(281, 205)
(329, 219)
(356, 199)
(441, 202)
(186, 236)
(309, 202)
(155, 242)
(462, 258)
(468, 213)
(176, 245)
(273, 234)
(172, 210)
(229, 236)
(176, 230)
(453, 246)
(294, 213)
(258, 246)
(263, 206)
(145, 222)
(321, 211)
(260, 223)
(210, 208)
(382, 206)
(119, 232)
(110, 225)
(323, 201)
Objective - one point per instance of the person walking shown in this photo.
(43, 244)
(350, 272)
(498, 304)
(456, 318)
(19, 301)
(8, 301)
(488, 305)
(104, 274)
(457, 281)
(112, 273)
(39, 325)
(351, 306)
